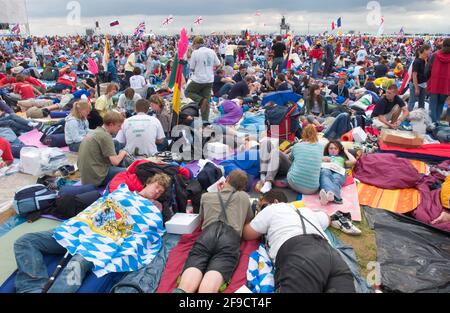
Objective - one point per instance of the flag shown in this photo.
(182, 49)
(106, 55)
(247, 35)
(258, 13)
(140, 30)
(198, 20)
(289, 59)
(381, 29)
(16, 29)
(406, 78)
(402, 32)
(336, 24)
(115, 23)
(308, 43)
(168, 20)
(119, 233)
(260, 272)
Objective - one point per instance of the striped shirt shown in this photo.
(305, 170)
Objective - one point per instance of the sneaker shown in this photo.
(338, 201)
(323, 197)
(330, 196)
(343, 222)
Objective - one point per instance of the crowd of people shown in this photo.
(122, 111)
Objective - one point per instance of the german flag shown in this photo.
(182, 49)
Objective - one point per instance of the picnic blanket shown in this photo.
(180, 253)
(431, 152)
(394, 200)
(33, 137)
(350, 205)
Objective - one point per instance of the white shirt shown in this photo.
(149, 51)
(141, 131)
(126, 104)
(202, 63)
(280, 222)
(361, 55)
(222, 48)
(137, 82)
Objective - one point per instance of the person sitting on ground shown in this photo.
(268, 82)
(31, 248)
(332, 179)
(281, 84)
(141, 133)
(137, 81)
(97, 160)
(243, 89)
(18, 124)
(340, 92)
(304, 174)
(105, 103)
(222, 85)
(362, 78)
(8, 80)
(127, 102)
(399, 70)
(163, 114)
(24, 89)
(77, 125)
(390, 111)
(240, 76)
(6, 157)
(67, 80)
(315, 105)
(215, 255)
(304, 260)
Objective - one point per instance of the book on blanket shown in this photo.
(334, 167)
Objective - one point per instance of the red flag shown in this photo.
(115, 23)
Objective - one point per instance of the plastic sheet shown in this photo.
(413, 256)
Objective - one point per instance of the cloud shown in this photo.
(50, 16)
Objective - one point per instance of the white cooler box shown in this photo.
(183, 224)
(217, 151)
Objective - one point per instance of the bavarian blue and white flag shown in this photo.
(121, 232)
(260, 275)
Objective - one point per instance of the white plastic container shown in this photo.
(183, 224)
(217, 151)
(30, 161)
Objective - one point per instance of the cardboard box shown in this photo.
(404, 139)
(183, 224)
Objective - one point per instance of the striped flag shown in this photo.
(308, 43)
(406, 78)
(106, 54)
(381, 29)
(182, 49)
(16, 29)
(336, 24)
(115, 23)
(140, 30)
(198, 20)
(168, 20)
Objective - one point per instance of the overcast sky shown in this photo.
(49, 17)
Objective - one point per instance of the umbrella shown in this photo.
(281, 97)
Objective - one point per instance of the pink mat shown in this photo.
(351, 203)
(32, 139)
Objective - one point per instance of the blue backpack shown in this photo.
(33, 198)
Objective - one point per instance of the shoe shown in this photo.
(323, 197)
(343, 222)
(338, 201)
(330, 196)
(267, 187)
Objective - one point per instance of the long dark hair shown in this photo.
(340, 147)
(422, 49)
(312, 95)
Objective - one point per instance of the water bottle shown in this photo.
(189, 207)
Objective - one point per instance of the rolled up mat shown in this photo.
(76, 190)
(347, 136)
(62, 114)
(55, 141)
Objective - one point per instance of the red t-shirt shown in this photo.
(35, 82)
(6, 148)
(6, 81)
(67, 79)
(25, 91)
(2, 76)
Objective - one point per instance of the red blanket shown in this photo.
(440, 150)
(179, 255)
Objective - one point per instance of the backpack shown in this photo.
(33, 198)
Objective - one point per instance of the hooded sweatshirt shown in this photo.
(439, 82)
(75, 129)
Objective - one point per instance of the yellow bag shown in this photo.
(445, 193)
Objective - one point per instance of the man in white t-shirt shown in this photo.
(361, 54)
(141, 133)
(304, 260)
(203, 63)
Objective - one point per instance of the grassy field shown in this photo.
(365, 245)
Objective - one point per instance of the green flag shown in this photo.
(173, 72)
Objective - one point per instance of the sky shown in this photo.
(61, 17)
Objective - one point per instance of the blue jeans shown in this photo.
(229, 59)
(16, 123)
(277, 63)
(437, 106)
(315, 69)
(112, 172)
(225, 89)
(32, 272)
(413, 98)
(332, 181)
(340, 126)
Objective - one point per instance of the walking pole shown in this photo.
(55, 274)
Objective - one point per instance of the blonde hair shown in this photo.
(113, 118)
(110, 88)
(161, 179)
(77, 107)
(310, 134)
